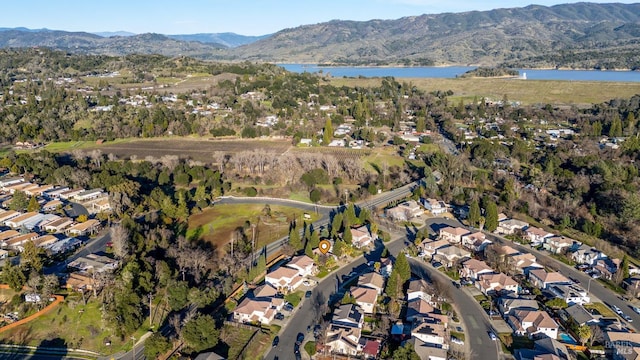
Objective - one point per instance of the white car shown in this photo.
(455, 340)
(636, 309)
(492, 336)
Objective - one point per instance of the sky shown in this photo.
(245, 17)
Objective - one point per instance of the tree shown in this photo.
(314, 195)
(120, 240)
(327, 133)
(294, 238)
(19, 201)
(336, 225)
(394, 287)
(406, 352)
(347, 236)
(200, 333)
(615, 130)
(177, 295)
(338, 248)
(13, 276)
(402, 265)
(155, 345)
(33, 205)
(474, 214)
(491, 211)
(584, 333)
(32, 257)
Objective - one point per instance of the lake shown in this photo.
(453, 71)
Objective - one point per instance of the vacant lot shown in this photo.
(525, 91)
(217, 225)
(185, 147)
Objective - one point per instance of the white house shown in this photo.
(434, 206)
(510, 226)
(365, 297)
(17, 221)
(420, 289)
(537, 236)
(542, 279)
(261, 310)
(361, 237)
(530, 323)
(473, 268)
(557, 244)
(8, 181)
(303, 264)
(587, 255)
(433, 334)
(89, 194)
(475, 241)
(571, 293)
(450, 255)
(84, 228)
(345, 341)
(412, 208)
(284, 279)
(453, 234)
(495, 283)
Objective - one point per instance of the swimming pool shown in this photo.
(567, 339)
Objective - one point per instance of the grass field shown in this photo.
(217, 224)
(54, 329)
(601, 308)
(525, 91)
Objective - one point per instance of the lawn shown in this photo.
(385, 155)
(601, 308)
(218, 223)
(457, 335)
(54, 328)
(294, 298)
(235, 338)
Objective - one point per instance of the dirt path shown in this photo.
(31, 317)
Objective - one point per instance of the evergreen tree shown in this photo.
(474, 214)
(393, 288)
(616, 127)
(338, 248)
(350, 214)
(347, 236)
(336, 225)
(420, 124)
(624, 267)
(294, 238)
(327, 133)
(33, 205)
(19, 201)
(491, 211)
(402, 265)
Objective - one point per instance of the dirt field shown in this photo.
(196, 149)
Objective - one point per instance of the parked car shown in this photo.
(307, 294)
(627, 317)
(492, 336)
(288, 307)
(437, 264)
(299, 338)
(276, 341)
(635, 309)
(279, 316)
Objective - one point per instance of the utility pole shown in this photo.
(133, 341)
(150, 313)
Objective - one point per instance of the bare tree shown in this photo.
(596, 334)
(120, 240)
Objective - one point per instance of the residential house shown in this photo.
(420, 289)
(285, 279)
(542, 279)
(303, 264)
(38, 222)
(557, 244)
(54, 194)
(8, 215)
(371, 349)
(450, 255)
(607, 267)
(579, 315)
(571, 294)
(361, 237)
(386, 266)
(8, 181)
(372, 280)
(396, 214)
(260, 310)
(426, 351)
(16, 242)
(453, 234)
(587, 255)
(44, 240)
(434, 206)
(366, 298)
(63, 246)
(88, 195)
(508, 305)
(70, 194)
(11, 189)
(473, 268)
(531, 323)
(6, 235)
(348, 316)
(412, 208)
(87, 227)
(506, 251)
(431, 333)
(52, 205)
(496, 283)
(545, 349)
(38, 190)
(101, 205)
(537, 236)
(80, 281)
(4, 254)
(475, 242)
(418, 308)
(622, 345)
(264, 291)
(344, 341)
(523, 263)
(94, 263)
(17, 221)
(510, 226)
(429, 247)
(57, 225)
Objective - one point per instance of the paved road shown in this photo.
(92, 246)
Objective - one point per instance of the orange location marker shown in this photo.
(324, 246)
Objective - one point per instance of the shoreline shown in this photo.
(401, 66)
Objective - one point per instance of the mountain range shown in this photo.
(584, 35)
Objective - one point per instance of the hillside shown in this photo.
(227, 39)
(486, 38)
